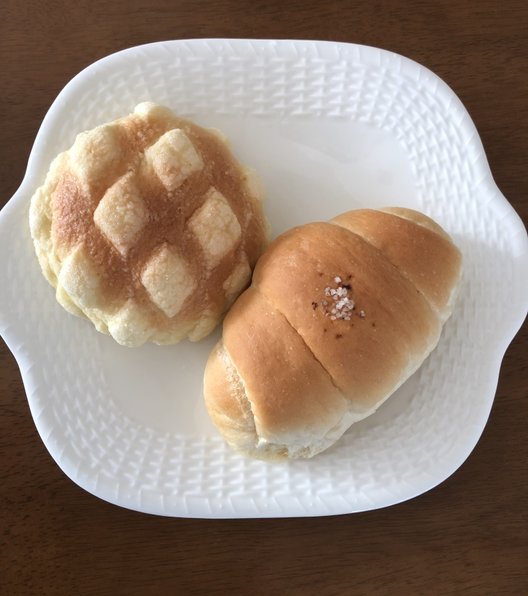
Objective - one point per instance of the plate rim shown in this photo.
(9, 333)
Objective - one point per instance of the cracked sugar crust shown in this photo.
(168, 279)
(149, 227)
(174, 158)
(121, 214)
(215, 227)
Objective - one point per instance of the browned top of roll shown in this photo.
(338, 316)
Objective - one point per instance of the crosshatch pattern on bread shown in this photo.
(149, 227)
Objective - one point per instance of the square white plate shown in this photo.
(330, 127)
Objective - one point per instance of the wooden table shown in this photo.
(469, 535)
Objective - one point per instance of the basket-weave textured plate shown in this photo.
(329, 127)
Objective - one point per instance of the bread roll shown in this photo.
(149, 227)
(338, 316)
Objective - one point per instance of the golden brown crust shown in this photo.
(259, 339)
(435, 273)
(418, 218)
(330, 328)
(365, 355)
(146, 197)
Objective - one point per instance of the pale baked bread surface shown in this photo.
(338, 316)
(149, 227)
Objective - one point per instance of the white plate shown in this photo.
(329, 127)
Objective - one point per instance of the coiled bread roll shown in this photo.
(338, 316)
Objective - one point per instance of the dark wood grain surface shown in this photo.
(467, 536)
